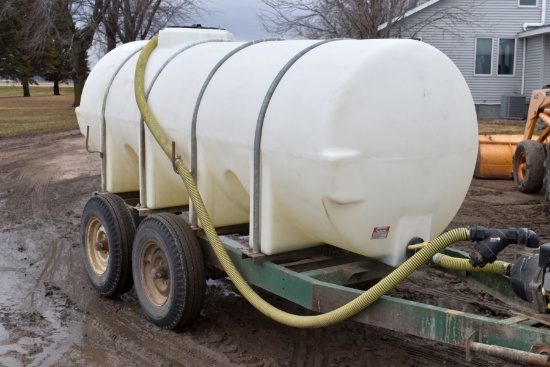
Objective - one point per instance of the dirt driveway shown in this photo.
(50, 315)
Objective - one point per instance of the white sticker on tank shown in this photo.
(380, 233)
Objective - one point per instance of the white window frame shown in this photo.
(515, 56)
(492, 52)
(528, 6)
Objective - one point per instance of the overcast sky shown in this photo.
(238, 17)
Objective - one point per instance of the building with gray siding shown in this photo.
(502, 47)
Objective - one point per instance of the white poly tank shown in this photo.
(365, 143)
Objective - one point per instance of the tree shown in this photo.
(31, 45)
(60, 32)
(77, 22)
(80, 20)
(56, 62)
(47, 41)
(64, 29)
(361, 19)
(12, 57)
(16, 59)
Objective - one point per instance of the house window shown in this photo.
(506, 56)
(484, 52)
(527, 3)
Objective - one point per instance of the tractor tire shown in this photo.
(528, 166)
(169, 271)
(547, 175)
(107, 232)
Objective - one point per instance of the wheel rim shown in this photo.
(522, 166)
(155, 274)
(97, 246)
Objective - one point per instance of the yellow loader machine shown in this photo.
(521, 157)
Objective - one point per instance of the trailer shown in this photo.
(290, 186)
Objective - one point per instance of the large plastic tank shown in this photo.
(365, 143)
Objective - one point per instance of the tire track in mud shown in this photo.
(34, 186)
(125, 325)
(9, 197)
(38, 320)
(309, 348)
(20, 143)
(38, 182)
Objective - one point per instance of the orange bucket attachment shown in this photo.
(495, 156)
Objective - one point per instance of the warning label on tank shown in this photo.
(379, 233)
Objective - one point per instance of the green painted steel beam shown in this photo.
(275, 279)
(431, 322)
(450, 326)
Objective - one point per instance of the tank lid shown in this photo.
(174, 36)
(193, 26)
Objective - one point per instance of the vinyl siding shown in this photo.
(495, 19)
(533, 64)
(546, 62)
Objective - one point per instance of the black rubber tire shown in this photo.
(183, 298)
(114, 276)
(547, 175)
(528, 166)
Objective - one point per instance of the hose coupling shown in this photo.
(490, 242)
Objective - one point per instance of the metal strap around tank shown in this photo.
(258, 140)
(103, 147)
(142, 183)
(192, 212)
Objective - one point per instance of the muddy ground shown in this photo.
(50, 315)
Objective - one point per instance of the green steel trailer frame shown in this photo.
(318, 279)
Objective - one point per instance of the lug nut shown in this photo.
(102, 245)
(160, 272)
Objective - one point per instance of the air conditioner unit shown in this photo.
(512, 107)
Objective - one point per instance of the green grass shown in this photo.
(512, 128)
(42, 112)
(19, 121)
(17, 91)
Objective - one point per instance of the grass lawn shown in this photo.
(42, 112)
(17, 90)
(510, 127)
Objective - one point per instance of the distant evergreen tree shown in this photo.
(15, 61)
(56, 63)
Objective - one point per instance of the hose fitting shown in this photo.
(490, 242)
(453, 263)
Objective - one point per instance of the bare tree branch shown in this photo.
(140, 19)
(358, 18)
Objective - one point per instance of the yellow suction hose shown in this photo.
(453, 263)
(335, 316)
